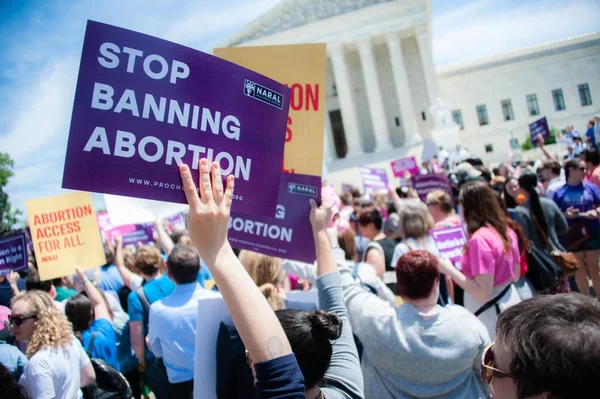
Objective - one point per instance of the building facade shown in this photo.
(381, 82)
(380, 75)
(496, 98)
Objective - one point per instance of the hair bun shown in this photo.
(326, 324)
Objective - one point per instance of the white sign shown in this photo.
(127, 210)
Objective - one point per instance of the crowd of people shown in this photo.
(394, 318)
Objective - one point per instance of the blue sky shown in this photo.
(40, 44)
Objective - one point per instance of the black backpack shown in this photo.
(110, 384)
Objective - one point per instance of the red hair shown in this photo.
(416, 274)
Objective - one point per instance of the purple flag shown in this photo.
(143, 105)
(289, 234)
(424, 184)
(403, 165)
(450, 242)
(374, 179)
(539, 127)
(13, 253)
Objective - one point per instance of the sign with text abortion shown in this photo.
(65, 234)
(301, 67)
(13, 253)
(143, 105)
(287, 235)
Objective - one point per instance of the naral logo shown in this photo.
(295, 188)
(261, 93)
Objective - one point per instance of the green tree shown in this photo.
(8, 217)
(528, 145)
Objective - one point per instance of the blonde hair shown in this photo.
(442, 199)
(265, 271)
(416, 221)
(52, 329)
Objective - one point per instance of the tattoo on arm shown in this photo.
(275, 347)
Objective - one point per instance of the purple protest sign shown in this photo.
(13, 253)
(132, 234)
(374, 179)
(403, 165)
(143, 105)
(287, 235)
(539, 127)
(424, 184)
(450, 242)
(177, 222)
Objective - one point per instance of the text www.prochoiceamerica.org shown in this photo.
(158, 184)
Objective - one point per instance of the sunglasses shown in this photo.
(19, 320)
(488, 363)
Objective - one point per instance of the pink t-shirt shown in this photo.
(485, 255)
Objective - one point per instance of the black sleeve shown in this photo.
(225, 369)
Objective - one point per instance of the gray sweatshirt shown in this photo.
(410, 355)
(343, 377)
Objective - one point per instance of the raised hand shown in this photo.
(320, 216)
(210, 207)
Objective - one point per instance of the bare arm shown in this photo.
(377, 260)
(87, 376)
(481, 287)
(13, 278)
(136, 335)
(164, 241)
(256, 323)
(120, 263)
(98, 302)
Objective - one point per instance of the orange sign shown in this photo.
(65, 234)
(301, 67)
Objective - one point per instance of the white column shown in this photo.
(427, 62)
(407, 111)
(380, 127)
(329, 153)
(345, 97)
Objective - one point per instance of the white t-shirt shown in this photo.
(411, 244)
(55, 373)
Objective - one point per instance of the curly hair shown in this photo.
(52, 329)
(266, 273)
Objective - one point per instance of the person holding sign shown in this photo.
(491, 262)
(276, 369)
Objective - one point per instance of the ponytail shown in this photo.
(528, 182)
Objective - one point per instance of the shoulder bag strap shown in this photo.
(143, 299)
(88, 350)
(493, 301)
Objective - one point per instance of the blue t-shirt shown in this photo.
(590, 135)
(110, 278)
(154, 291)
(105, 343)
(584, 197)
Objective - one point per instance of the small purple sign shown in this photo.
(450, 242)
(424, 184)
(13, 253)
(132, 234)
(177, 222)
(539, 127)
(144, 105)
(289, 234)
(374, 179)
(403, 165)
